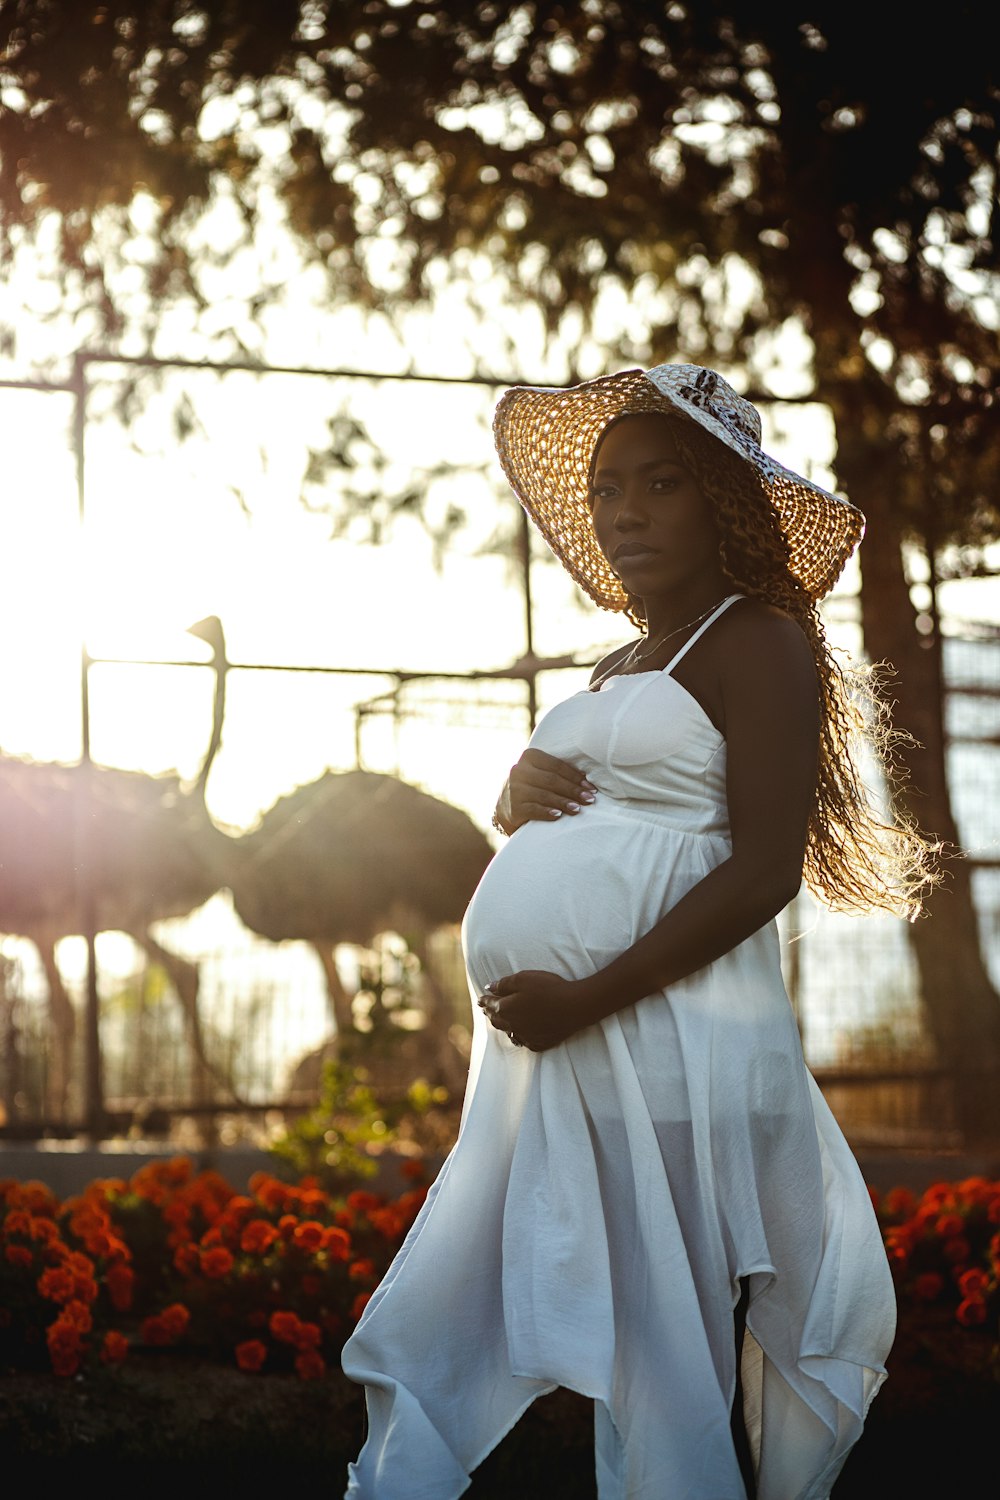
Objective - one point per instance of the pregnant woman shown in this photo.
(649, 1201)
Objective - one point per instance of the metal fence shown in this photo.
(264, 1007)
(267, 1019)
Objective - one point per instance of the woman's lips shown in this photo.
(632, 549)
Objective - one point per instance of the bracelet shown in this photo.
(498, 825)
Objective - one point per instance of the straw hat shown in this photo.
(546, 438)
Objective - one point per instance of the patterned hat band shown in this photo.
(546, 438)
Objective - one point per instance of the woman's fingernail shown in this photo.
(587, 797)
(555, 812)
(572, 807)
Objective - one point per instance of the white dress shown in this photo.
(590, 1227)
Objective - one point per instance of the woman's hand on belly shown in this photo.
(541, 786)
(536, 1009)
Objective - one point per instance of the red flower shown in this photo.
(359, 1304)
(77, 1315)
(175, 1319)
(57, 1284)
(956, 1250)
(389, 1221)
(971, 1312)
(284, 1326)
(337, 1243)
(308, 1336)
(362, 1202)
(973, 1283)
(217, 1262)
(976, 1190)
(120, 1281)
(310, 1365)
(899, 1202)
(114, 1348)
(258, 1236)
(177, 1213)
(310, 1235)
(928, 1287)
(65, 1346)
(35, 1197)
(166, 1327)
(362, 1270)
(152, 1331)
(44, 1229)
(251, 1354)
(271, 1193)
(949, 1226)
(19, 1255)
(187, 1259)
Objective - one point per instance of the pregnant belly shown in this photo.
(573, 895)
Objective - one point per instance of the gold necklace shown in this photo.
(636, 655)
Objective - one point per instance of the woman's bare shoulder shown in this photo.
(757, 646)
(753, 623)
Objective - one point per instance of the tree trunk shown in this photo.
(186, 980)
(961, 1005)
(336, 993)
(451, 1066)
(62, 1024)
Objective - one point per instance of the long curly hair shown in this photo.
(858, 858)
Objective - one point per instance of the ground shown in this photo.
(932, 1426)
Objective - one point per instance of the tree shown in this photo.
(732, 169)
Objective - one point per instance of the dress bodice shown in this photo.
(647, 745)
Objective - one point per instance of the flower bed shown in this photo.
(275, 1279)
(944, 1252)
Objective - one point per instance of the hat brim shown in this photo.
(546, 436)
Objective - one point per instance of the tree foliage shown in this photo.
(571, 147)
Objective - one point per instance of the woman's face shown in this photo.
(652, 522)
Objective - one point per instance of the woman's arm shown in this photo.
(768, 688)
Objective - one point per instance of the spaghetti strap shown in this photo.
(719, 610)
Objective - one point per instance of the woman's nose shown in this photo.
(629, 513)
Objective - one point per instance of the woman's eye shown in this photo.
(663, 482)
